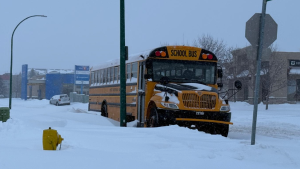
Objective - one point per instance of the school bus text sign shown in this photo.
(184, 54)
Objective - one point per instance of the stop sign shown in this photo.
(252, 30)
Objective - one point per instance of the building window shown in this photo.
(291, 90)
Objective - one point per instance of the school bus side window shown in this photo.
(92, 78)
(116, 74)
(112, 74)
(134, 70)
(108, 75)
(120, 73)
(128, 71)
(98, 77)
(104, 76)
(101, 76)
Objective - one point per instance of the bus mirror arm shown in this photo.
(164, 81)
(238, 85)
(220, 73)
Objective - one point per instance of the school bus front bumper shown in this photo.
(203, 120)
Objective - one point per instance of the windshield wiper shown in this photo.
(199, 81)
(182, 78)
(179, 78)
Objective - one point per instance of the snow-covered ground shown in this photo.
(92, 141)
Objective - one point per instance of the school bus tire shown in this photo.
(104, 111)
(224, 129)
(153, 120)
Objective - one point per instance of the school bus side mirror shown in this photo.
(238, 84)
(220, 73)
(220, 85)
(147, 76)
(148, 64)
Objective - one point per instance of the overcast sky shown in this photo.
(86, 32)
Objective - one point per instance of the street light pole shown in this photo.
(11, 58)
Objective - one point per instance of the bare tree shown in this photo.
(224, 55)
(274, 72)
(3, 89)
(219, 48)
(32, 73)
(16, 85)
(271, 74)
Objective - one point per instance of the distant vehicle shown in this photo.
(62, 99)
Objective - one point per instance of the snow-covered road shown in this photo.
(93, 141)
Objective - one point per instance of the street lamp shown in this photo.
(11, 58)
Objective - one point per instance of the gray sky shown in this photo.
(86, 32)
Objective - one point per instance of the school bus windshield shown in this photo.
(184, 71)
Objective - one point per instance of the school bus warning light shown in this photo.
(160, 53)
(157, 53)
(207, 56)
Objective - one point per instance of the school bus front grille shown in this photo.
(194, 101)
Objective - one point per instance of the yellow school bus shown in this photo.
(167, 85)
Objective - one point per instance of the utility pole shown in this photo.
(258, 68)
(122, 66)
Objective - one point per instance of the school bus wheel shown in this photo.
(213, 128)
(153, 120)
(104, 109)
(224, 129)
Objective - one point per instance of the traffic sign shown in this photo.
(252, 30)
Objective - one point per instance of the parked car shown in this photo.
(62, 99)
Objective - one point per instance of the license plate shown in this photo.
(199, 113)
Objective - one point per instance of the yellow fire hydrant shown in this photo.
(51, 139)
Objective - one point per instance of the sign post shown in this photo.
(122, 66)
(82, 76)
(256, 37)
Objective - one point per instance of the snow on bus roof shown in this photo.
(116, 62)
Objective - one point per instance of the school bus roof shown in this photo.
(172, 52)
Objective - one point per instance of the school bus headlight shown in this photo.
(169, 105)
(225, 108)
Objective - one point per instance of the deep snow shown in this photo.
(93, 141)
